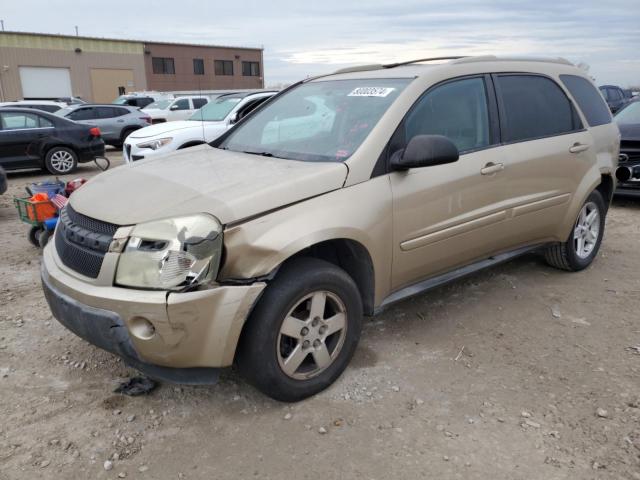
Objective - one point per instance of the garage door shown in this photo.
(43, 82)
(107, 83)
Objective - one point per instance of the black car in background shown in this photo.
(615, 97)
(36, 139)
(3, 181)
(628, 172)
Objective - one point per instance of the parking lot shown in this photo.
(519, 372)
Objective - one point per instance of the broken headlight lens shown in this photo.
(171, 254)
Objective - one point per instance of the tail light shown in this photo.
(94, 132)
(146, 119)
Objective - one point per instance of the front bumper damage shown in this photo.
(194, 334)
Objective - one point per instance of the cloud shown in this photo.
(305, 38)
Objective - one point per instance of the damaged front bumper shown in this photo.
(178, 337)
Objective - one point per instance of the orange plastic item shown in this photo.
(41, 208)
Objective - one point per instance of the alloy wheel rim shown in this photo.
(586, 230)
(62, 161)
(312, 335)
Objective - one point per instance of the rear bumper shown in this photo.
(90, 151)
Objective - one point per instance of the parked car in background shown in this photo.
(36, 139)
(614, 96)
(265, 248)
(45, 105)
(628, 172)
(142, 99)
(205, 125)
(71, 100)
(169, 110)
(116, 122)
(3, 181)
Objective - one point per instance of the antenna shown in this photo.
(76, 30)
(2, 23)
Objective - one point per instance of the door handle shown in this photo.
(579, 147)
(491, 168)
(120, 121)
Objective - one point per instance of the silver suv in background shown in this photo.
(115, 122)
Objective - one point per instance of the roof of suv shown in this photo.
(419, 67)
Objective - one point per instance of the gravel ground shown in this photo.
(518, 372)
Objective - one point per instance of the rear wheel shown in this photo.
(303, 332)
(61, 160)
(584, 240)
(34, 235)
(123, 136)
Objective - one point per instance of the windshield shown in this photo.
(121, 100)
(217, 110)
(63, 112)
(317, 121)
(160, 104)
(629, 115)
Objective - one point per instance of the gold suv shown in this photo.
(339, 196)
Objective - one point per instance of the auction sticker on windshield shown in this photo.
(371, 92)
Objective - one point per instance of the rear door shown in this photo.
(111, 121)
(20, 138)
(547, 153)
(446, 216)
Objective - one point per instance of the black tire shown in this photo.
(261, 345)
(123, 136)
(564, 255)
(54, 166)
(44, 237)
(33, 235)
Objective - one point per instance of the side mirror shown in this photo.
(425, 151)
(233, 118)
(174, 107)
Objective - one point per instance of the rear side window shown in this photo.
(588, 98)
(83, 114)
(534, 107)
(18, 120)
(199, 102)
(457, 110)
(182, 104)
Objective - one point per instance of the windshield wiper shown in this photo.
(262, 154)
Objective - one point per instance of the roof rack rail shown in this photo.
(360, 68)
(420, 60)
(494, 58)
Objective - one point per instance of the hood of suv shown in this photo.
(164, 128)
(229, 185)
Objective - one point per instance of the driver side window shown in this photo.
(182, 104)
(457, 110)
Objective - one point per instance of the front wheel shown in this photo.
(303, 332)
(584, 241)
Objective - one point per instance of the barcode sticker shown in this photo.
(371, 92)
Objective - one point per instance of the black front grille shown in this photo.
(81, 242)
(629, 156)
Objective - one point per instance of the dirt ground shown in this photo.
(518, 372)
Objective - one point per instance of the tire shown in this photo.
(61, 161)
(44, 237)
(266, 349)
(33, 236)
(123, 136)
(581, 248)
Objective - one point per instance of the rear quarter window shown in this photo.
(533, 106)
(588, 99)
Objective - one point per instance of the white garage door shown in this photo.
(42, 82)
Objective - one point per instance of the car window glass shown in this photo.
(106, 112)
(83, 114)
(44, 122)
(182, 104)
(457, 110)
(534, 107)
(588, 98)
(249, 107)
(199, 102)
(629, 115)
(15, 120)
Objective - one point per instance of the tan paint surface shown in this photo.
(105, 83)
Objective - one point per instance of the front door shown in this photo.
(180, 110)
(446, 216)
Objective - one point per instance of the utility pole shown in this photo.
(76, 30)
(2, 23)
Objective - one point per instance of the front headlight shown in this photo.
(171, 254)
(155, 144)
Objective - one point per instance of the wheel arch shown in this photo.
(191, 143)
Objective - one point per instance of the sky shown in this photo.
(302, 38)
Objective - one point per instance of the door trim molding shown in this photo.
(443, 278)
